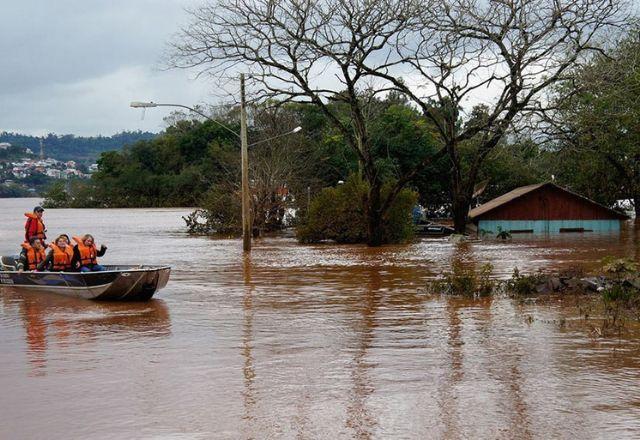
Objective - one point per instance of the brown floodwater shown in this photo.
(309, 342)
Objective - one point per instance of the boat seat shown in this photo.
(8, 263)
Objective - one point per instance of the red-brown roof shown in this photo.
(521, 191)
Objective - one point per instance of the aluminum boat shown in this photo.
(115, 283)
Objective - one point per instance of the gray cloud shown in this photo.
(72, 66)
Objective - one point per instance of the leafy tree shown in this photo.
(518, 49)
(174, 169)
(511, 165)
(597, 126)
(339, 214)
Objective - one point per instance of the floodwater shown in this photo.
(308, 342)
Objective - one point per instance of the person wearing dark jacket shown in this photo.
(31, 255)
(85, 254)
(59, 257)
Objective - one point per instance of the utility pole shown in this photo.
(246, 209)
(244, 158)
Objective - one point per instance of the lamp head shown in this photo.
(139, 104)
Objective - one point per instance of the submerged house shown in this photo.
(544, 208)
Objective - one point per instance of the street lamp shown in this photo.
(244, 155)
(140, 104)
(295, 130)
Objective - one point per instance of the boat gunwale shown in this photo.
(151, 269)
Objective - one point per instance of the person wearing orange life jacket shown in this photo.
(34, 226)
(59, 257)
(31, 255)
(85, 254)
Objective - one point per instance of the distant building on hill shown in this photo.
(56, 174)
(544, 208)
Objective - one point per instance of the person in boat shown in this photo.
(34, 226)
(59, 257)
(85, 254)
(31, 256)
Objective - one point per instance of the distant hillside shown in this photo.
(69, 147)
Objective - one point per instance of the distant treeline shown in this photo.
(173, 169)
(14, 152)
(77, 148)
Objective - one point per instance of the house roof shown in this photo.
(523, 190)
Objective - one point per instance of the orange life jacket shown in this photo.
(34, 257)
(88, 254)
(61, 258)
(34, 227)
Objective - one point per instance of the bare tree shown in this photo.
(313, 52)
(276, 167)
(501, 54)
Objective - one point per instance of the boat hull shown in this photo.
(116, 283)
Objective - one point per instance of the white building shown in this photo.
(19, 173)
(56, 174)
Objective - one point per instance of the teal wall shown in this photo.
(548, 226)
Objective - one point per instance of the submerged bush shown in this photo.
(619, 293)
(339, 214)
(619, 267)
(73, 193)
(523, 285)
(502, 234)
(222, 213)
(466, 281)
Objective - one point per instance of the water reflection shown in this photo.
(72, 322)
(360, 420)
(36, 336)
(447, 396)
(248, 371)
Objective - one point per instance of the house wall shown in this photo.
(549, 203)
(547, 226)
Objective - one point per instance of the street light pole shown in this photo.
(143, 105)
(244, 155)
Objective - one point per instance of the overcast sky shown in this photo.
(73, 66)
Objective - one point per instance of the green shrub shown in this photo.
(222, 213)
(75, 193)
(524, 284)
(339, 214)
(56, 196)
(465, 281)
(619, 267)
(502, 234)
(619, 293)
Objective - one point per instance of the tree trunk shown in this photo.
(636, 207)
(460, 208)
(374, 215)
